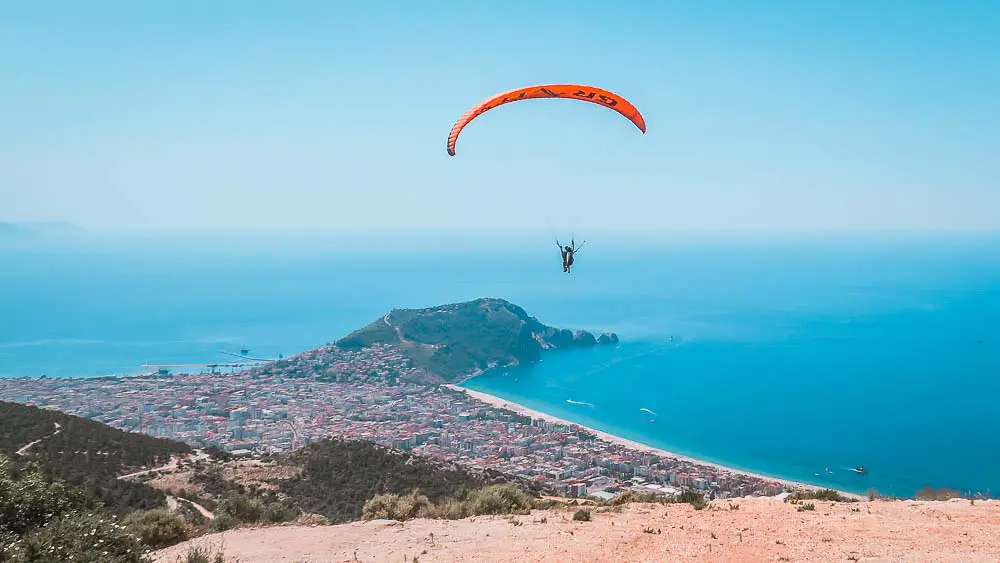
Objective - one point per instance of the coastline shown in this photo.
(498, 402)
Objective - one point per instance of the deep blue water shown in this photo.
(786, 358)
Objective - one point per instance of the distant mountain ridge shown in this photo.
(459, 340)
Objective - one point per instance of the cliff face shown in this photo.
(457, 340)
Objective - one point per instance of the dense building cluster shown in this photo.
(367, 394)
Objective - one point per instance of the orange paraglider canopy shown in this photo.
(567, 91)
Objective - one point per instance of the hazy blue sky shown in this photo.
(334, 114)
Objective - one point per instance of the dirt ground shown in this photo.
(761, 529)
(240, 472)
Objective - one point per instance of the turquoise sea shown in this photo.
(778, 356)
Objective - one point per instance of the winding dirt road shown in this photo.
(24, 450)
(174, 460)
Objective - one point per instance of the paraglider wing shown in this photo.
(566, 91)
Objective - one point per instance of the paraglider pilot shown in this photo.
(568, 252)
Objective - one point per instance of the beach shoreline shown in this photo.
(501, 403)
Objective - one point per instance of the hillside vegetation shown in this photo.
(52, 522)
(335, 478)
(86, 453)
(456, 340)
(43, 517)
(339, 476)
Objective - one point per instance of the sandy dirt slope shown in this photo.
(762, 529)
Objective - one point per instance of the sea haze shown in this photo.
(780, 357)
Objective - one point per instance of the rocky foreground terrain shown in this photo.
(758, 529)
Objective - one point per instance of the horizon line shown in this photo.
(78, 230)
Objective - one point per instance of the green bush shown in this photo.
(223, 522)
(499, 499)
(27, 500)
(582, 515)
(242, 508)
(277, 512)
(414, 505)
(824, 494)
(396, 507)
(157, 528)
(380, 507)
(81, 538)
(47, 522)
(829, 494)
(490, 500)
(453, 510)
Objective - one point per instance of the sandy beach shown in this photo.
(632, 444)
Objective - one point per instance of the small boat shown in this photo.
(860, 470)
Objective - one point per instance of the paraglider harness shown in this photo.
(568, 252)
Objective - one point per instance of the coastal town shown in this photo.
(371, 394)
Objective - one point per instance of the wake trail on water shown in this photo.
(601, 367)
